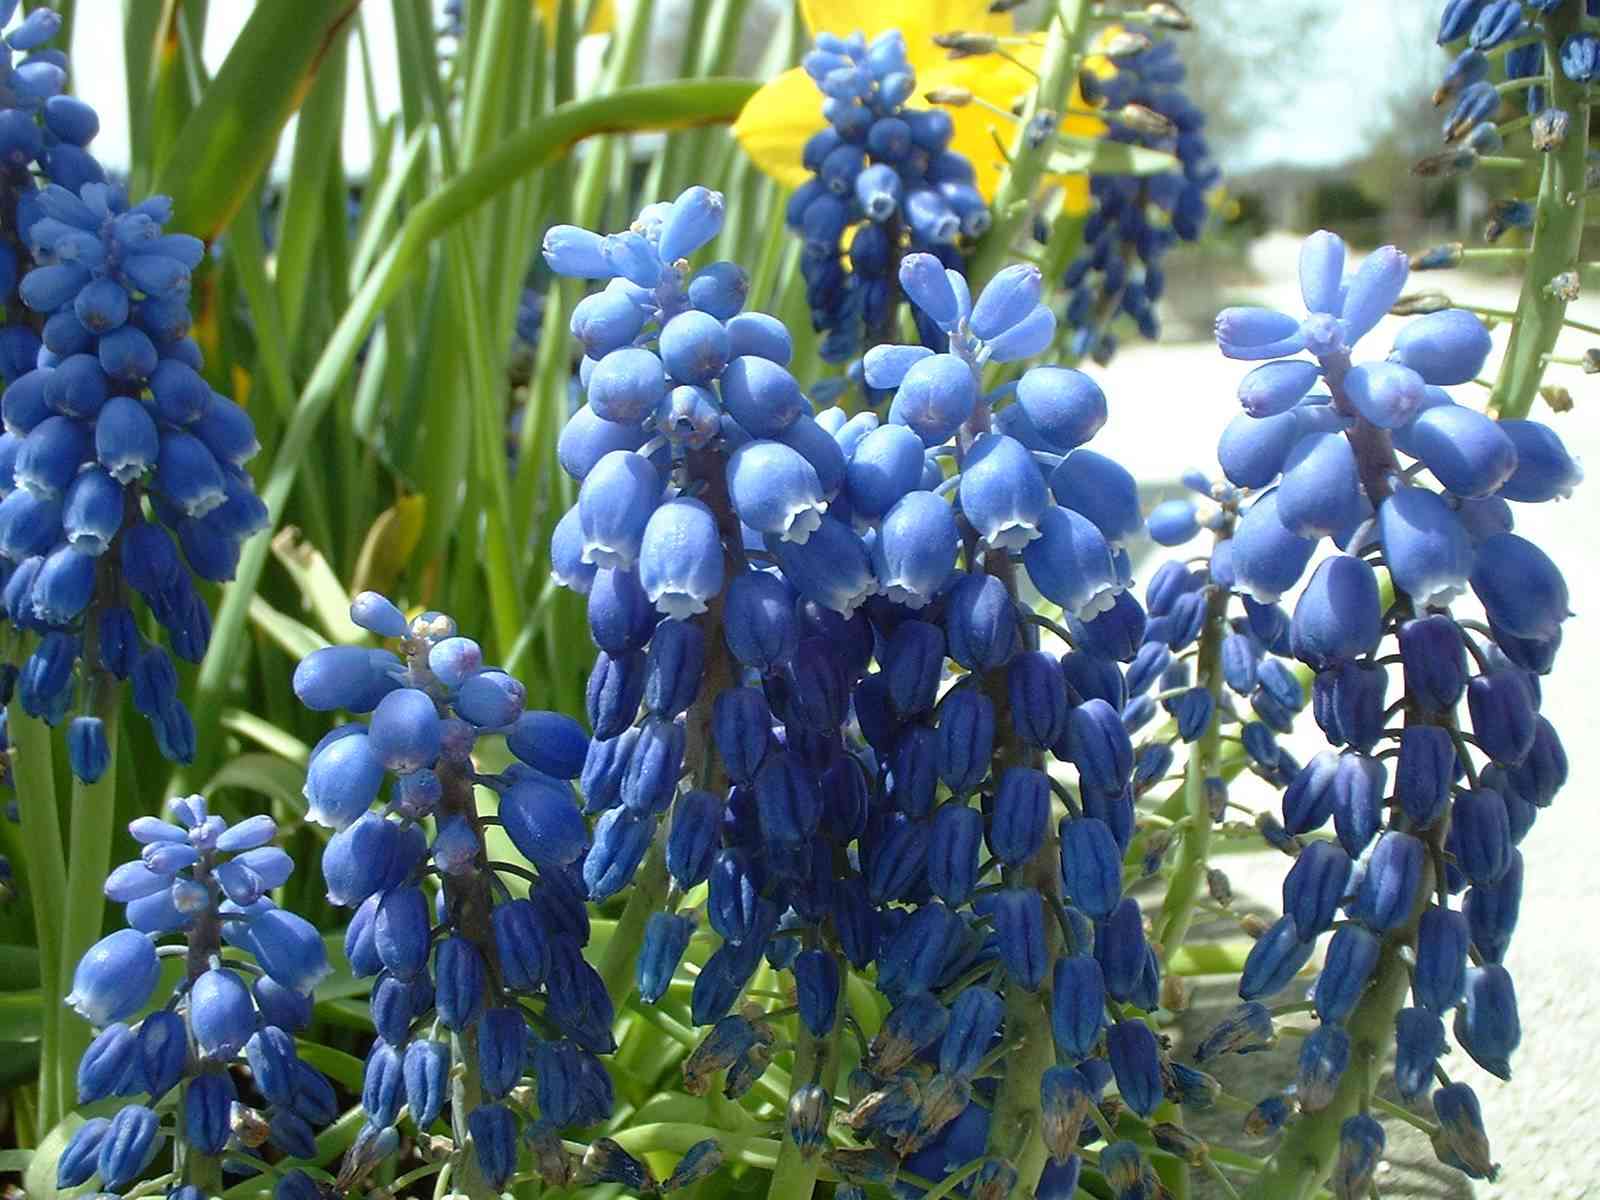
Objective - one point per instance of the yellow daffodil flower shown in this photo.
(778, 119)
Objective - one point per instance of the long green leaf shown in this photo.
(264, 774)
(19, 1015)
(230, 137)
(668, 106)
(316, 156)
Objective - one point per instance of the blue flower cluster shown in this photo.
(815, 619)
(104, 410)
(1504, 45)
(1137, 220)
(884, 182)
(1378, 458)
(457, 972)
(244, 992)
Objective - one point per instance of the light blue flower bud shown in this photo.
(884, 367)
(681, 558)
(575, 252)
(1371, 293)
(221, 1014)
(694, 219)
(914, 553)
(761, 335)
(833, 568)
(761, 396)
(1425, 545)
(343, 780)
(289, 949)
(614, 506)
(1322, 257)
(1267, 559)
(115, 978)
(1545, 470)
(490, 699)
(936, 396)
(1006, 300)
(370, 855)
(348, 677)
(1253, 334)
(1276, 387)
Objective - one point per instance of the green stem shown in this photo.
(1189, 877)
(1013, 201)
(1404, 1114)
(94, 813)
(794, 1175)
(953, 1180)
(1557, 234)
(1310, 1146)
(1222, 1181)
(33, 770)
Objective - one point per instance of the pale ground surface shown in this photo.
(1168, 403)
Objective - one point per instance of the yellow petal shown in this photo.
(994, 80)
(775, 123)
(1074, 193)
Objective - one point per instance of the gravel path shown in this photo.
(1168, 403)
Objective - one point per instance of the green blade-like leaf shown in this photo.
(1080, 155)
(264, 774)
(230, 137)
(19, 1015)
(295, 639)
(667, 106)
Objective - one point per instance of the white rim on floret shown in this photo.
(802, 523)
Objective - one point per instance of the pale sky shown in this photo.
(1362, 57)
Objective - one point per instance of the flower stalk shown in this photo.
(1188, 877)
(1013, 201)
(1557, 233)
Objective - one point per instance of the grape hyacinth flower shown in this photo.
(818, 696)
(884, 182)
(1518, 92)
(1137, 220)
(454, 968)
(249, 968)
(105, 411)
(1379, 458)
